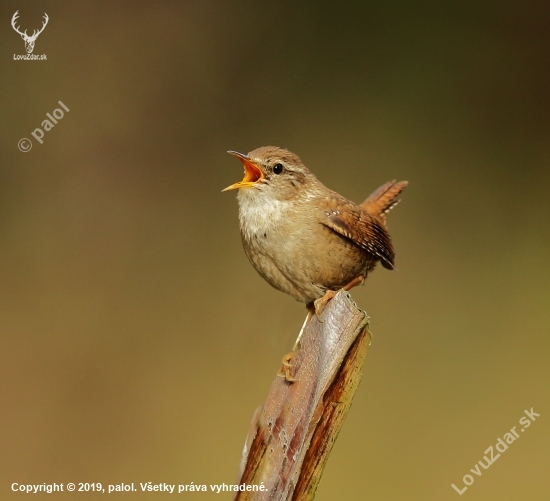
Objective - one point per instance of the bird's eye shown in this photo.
(277, 168)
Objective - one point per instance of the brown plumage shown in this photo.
(304, 238)
(384, 198)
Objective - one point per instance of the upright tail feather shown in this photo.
(385, 198)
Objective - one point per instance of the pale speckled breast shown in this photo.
(299, 256)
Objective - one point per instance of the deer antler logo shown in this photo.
(29, 40)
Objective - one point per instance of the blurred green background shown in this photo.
(136, 338)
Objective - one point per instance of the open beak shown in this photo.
(252, 173)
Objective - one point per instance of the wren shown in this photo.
(303, 238)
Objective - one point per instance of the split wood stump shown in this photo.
(292, 434)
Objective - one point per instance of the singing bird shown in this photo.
(303, 238)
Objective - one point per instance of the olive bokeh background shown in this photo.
(136, 338)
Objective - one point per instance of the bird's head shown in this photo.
(272, 172)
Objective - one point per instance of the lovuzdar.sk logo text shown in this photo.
(29, 40)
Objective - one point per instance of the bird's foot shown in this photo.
(319, 304)
(284, 371)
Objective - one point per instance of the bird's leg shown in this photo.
(284, 371)
(354, 283)
(329, 294)
(312, 308)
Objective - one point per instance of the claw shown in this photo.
(320, 303)
(284, 371)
